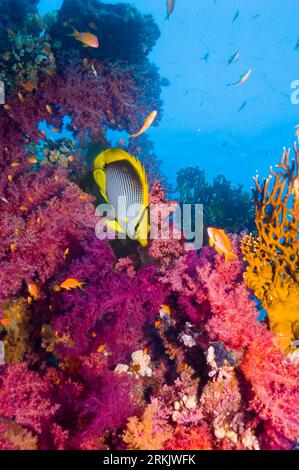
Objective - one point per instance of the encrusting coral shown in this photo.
(272, 254)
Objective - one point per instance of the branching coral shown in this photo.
(44, 215)
(158, 348)
(272, 255)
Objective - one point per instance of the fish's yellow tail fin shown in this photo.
(229, 255)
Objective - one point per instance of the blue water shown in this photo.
(202, 123)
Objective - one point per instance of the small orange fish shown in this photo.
(158, 323)
(145, 351)
(71, 283)
(71, 158)
(87, 39)
(5, 322)
(23, 208)
(222, 243)
(93, 334)
(29, 299)
(166, 309)
(147, 123)
(10, 178)
(49, 109)
(33, 291)
(101, 348)
(21, 97)
(32, 160)
(66, 253)
(29, 86)
(15, 164)
(13, 247)
(7, 107)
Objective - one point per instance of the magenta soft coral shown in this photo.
(45, 214)
(25, 398)
(113, 308)
(275, 394)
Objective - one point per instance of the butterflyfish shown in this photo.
(122, 182)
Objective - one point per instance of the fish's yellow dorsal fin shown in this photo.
(100, 178)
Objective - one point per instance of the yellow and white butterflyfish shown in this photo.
(122, 182)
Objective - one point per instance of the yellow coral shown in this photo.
(272, 255)
(20, 438)
(144, 434)
(16, 323)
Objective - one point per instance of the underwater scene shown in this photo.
(149, 214)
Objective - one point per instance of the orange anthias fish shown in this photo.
(297, 131)
(147, 123)
(29, 85)
(70, 284)
(222, 243)
(87, 39)
(5, 321)
(170, 8)
(33, 291)
(101, 348)
(32, 160)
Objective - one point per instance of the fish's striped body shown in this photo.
(123, 184)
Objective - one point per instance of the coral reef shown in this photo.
(109, 345)
(272, 255)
